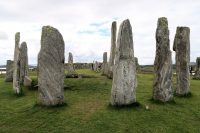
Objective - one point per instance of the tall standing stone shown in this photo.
(105, 64)
(197, 71)
(23, 59)
(112, 49)
(16, 66)
(9, 71)
(182, 48)
(71, 69)
(162, 87)
(51, 67)
(124, 75)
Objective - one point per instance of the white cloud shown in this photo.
(85, 25)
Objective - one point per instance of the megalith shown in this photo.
(162, 86)
(51, 67)
(71, 69)
(197, 71)
(23, 59)
(9, 71)
(124, 83)
(112, 49)
(16, 66)
(105, 64)
(182, 48)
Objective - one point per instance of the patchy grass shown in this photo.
(88, 109)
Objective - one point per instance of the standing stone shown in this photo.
(9, 71)
(71, 69)
(197, 72)
(16, 66)
(182, 48)
(105, 64)
(137, 64)
(124, 75)
(51, 67)
(23, 59)
(162, 87)
(112, 49)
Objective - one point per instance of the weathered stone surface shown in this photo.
(105, 64)
(16, 66)
(197, 71)
(182, 48)
(23, 59)
(71, 69)
(9, 71)
(51, 67)
(27, 81)
(162, 87)
(124, 75)
(112, 49)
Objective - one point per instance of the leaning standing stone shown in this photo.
(162, 87)
(105, 64)
(9, 71)
(182, 48)
(23, 58)
(112, 50)
(124, 75)
(197, 72)
(16, 66)
(51, 67)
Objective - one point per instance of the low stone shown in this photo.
(9, 71)
(27, 81)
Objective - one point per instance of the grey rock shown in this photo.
(71, 69)
(51, 68)
(112, 49)
(162, 87)
(105, 64)
(9, 71)
(124, 75)
(23, 59)
(197, 71)
(182, 48)
(27, 81)
(16, 66)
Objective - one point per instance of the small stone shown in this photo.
(27, 81)
(9, 71)
(105, 64)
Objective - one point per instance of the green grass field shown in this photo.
(88, 110)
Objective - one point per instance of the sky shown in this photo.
(86, 25)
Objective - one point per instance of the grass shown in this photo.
(88, 109)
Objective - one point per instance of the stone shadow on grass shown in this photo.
(130, 106)
(172, 102)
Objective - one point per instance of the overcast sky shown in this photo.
(85, 25)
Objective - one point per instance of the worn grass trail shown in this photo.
(88, 110)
